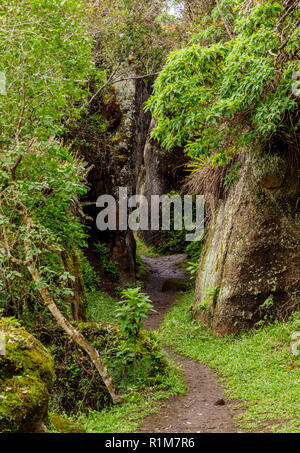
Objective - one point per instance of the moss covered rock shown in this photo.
(26, 373)
(61, 424)
(252, 249)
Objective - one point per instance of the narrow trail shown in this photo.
(203, 409)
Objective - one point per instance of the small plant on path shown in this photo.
(134, 306)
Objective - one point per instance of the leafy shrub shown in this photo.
(230, 91)
(133, 308)
(78, 387)
(89, 275)
(109, 266)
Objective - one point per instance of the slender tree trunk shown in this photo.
(68, 328)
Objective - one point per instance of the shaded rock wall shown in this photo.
(126, 157)
(252, 252)
(117, 160)
(162, 171)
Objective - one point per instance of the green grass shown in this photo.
(142, 271)
(143, 250)
(101, 307)
(137, 404)
(128, 416)
(258, 367)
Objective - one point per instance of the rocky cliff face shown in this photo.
(161, 172)
(116, 158)
(125, 157)
(250, 266)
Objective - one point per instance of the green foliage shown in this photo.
(212, 295)
(154, 378)
(268, 303)
(233, 175)
(257, 366)
(265, 312)
(192, 268)
(26, 375)
(101, 307)
(62, 424)
(46, 55)
(134, 31)
(101, 249)
(133, 308)
(136, 406)
(144, 250)
(215, 98)
(135, 346)
(89, 275)
(109, 266)
(78, 387)
(174, 241)
(194, 252)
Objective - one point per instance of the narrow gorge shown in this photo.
(137, 329)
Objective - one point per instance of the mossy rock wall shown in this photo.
(115, 157)
(26, 374)
(252, 250)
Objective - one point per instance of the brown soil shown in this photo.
(204, 408)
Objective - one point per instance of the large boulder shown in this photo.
(250, 265)
(26, 372)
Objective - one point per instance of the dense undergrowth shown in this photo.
(136, 406)
(259, 370)
(79, 400)
(157, 377)
(231, 88)
(217, 89)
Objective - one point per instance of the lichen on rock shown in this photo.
(269, 170)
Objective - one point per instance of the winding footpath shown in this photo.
(203, 409)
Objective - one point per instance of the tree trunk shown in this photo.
(68, 328)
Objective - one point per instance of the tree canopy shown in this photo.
(232, 86)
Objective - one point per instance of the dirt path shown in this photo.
(203, 409)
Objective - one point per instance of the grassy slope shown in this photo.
(257, 366)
